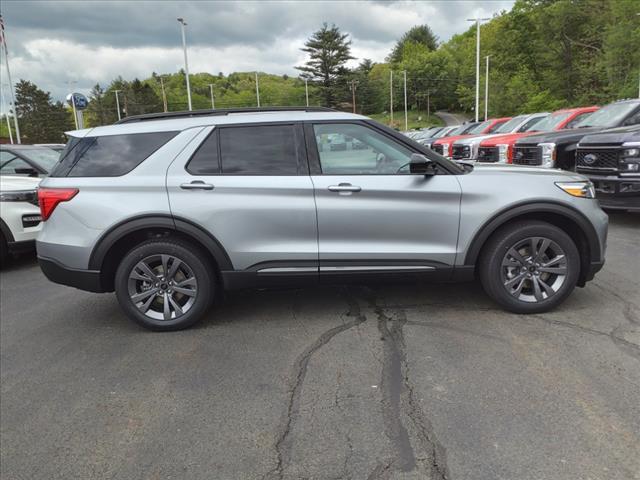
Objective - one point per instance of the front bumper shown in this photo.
(614, 192)
(89, 280)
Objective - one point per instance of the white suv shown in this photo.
(20, 219)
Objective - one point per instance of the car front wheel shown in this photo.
(529, 267)
(164, 284)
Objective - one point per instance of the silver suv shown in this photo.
(168, 210)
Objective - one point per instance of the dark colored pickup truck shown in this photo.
(558, 149)
(611, 160)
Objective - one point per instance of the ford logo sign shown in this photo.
(590, 158)
(519, 155)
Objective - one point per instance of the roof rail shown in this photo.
(218, 111)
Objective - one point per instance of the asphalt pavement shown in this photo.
(451, 118)
(386, 382)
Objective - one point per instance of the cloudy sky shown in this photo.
(53, 43)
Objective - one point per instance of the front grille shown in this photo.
(460, 152)
(437, 148)
(527, 156)
(598, 159)
(488, 154)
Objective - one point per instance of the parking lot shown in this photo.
(395, 382)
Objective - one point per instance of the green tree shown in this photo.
(421, 34)
(41, 119)
(328, 50)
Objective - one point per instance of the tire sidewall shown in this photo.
(186, 253)
(491, 275)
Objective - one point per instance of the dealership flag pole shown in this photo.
(118, 103)
(391, 94)
(306, 90)
(213, 102)
(406, 118)
(257, 90)
(3, 40)
(486, 91)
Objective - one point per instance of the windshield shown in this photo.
(608, 116)
(549, 123)
(511, 124)
(481, 127)
(445, 131)
(44, 157)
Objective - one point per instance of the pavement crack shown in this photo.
(301, 365)
(399, 400)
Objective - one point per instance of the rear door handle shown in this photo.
(344, 187)
(196, 185)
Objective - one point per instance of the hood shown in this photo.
(10, 183)
(509, 169)
(451, 139)
(615, 136)
(505, 139)
(469, 139)
(558, 137)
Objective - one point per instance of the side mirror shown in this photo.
(421, 165)
(32, 172)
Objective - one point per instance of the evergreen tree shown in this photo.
(328, 51)
(41, 120)
(420, 34)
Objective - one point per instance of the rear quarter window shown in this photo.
(109, 155)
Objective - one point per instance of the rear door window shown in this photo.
(259, 150)
(109, 155)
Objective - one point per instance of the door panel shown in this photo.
(371, 211)
(256, 218)
(392, 217)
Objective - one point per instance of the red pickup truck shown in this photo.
(499, 149)
(444, 145)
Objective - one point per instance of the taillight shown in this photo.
(49, 198)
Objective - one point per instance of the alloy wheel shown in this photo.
(534, 269)
(162, 287)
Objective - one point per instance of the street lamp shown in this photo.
(186, 63)
(477, 20)
(213, 102)
(486, 90)
(118, 103)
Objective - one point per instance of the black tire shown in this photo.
(191, 259)
(494, 277)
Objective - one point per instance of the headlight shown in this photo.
(503, 153)
(445, 150)
(578, 189)
(548, 154)
(20, 196)
(631, 152)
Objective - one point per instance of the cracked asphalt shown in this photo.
(386, 382)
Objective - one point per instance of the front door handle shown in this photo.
(196, 185)
(344, 187)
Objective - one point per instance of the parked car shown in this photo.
(611, 160)
(427, 140)
(444, 146)
(29, 160)
(558, 149)
(168, 210)
(500, 148)
(467, 148)
(20, 219)
(459, 130)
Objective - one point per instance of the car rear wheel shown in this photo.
(164, 284)
(529, 267)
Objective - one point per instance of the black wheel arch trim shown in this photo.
(6, 231)
(517, 210)
(142, 222)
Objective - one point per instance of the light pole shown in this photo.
(477, 20)
(73, 101)
(118, 103)
(213, 102)
(186, 62)
(353, 94)
(164, 95)
(406, 117)
(391, 95)
(257, 90)
(486, 90)
(306, 90)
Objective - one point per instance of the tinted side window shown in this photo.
(259, 150)
(110, 155)
(206, 159)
